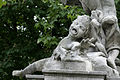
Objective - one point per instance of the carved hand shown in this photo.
(86, 43)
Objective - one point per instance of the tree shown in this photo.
(30, 30)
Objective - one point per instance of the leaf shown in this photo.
(116, 1)
(2, 3)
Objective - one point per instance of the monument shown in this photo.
(90, 49)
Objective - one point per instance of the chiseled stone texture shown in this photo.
(73, 75)
(80, 76)
(115, 78)
(34, 77)
(68, 65)
(118, 68)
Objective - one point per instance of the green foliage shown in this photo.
(118, 10)
(116, 1)
(30, 30)
(2, 3)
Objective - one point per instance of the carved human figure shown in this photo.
(108, 37)
(97, 30)
(68, 45)
(109, 24)
(75, 43)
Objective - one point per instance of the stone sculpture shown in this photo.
(75, 43)
(109, 24)
(93, 42)
(69, 48)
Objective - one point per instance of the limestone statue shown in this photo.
(76, 41)
(75, 47)
(93, 42)
(109, 24)
(70, 45)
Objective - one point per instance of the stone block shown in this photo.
(69, 65)
(73, 75)
(113, 78)
(34, 77)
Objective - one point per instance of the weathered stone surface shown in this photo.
(113, 78)
(69, 65)
(34, 77)
(77, 73)
(118, 68)
(73, 75)
(36, 66)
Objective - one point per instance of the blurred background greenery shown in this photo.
(31, 29)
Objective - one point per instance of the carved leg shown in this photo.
(111, 58)
(29, 69)
(36, 66)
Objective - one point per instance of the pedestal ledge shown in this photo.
(34, 77)
(63, 71)
(74, 75)
(113, 78)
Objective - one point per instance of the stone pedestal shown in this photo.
(34, 77)
(113, 78)
(73, 75)
(69, 65)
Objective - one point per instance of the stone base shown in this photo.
(73, 75)
(117, 78)
(34, 77)
(69, 65)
